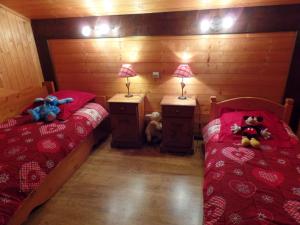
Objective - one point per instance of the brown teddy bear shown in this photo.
(154, 128)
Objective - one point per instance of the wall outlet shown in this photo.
(155, 75)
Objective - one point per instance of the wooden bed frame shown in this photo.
(65, 169)
(252, 103)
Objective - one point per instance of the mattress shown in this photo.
(250, 186)
(29, 151)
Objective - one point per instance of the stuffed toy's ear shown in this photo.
(155, 116)
(39, 100)
(65, 100)
(260, 119)
(246, 117)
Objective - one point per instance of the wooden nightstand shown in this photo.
(178, 120)
(127, 120)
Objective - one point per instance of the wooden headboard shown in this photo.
(102, 100)
(252, 103)
(13, 102)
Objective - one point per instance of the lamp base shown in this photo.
(182, 97)
(128, 95)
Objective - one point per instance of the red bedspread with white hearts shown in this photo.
(249, 186)
(29, 151)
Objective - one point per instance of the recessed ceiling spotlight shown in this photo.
(86, 31)
(102, 29)
(205, 25)
(227, 22)
(115, 31)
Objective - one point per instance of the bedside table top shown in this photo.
(173, 100)
(120, 98)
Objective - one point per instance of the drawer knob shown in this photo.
(122, 108)
(177, 110)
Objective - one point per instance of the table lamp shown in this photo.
(183, 71)
(127, 71)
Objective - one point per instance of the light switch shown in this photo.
(155, 75)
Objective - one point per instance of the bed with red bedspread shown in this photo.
(29, 151)
(251, 186)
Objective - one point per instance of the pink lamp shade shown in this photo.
(183, 70)
(127, 71)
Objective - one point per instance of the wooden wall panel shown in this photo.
(14, 102)
(250, 20)
(80, 8)
(224, 65)
(19, 63)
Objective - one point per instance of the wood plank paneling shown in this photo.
(14, 102)
(224, 65)
(78, 8)
(250, 20)
(19, 63)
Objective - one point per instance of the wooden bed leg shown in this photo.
(50, 86)
(288, 107)
(213, 102)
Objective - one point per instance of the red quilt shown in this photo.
(249, 186)
(29, 151)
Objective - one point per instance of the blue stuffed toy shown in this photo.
(49, 110)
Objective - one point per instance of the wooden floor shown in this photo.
(128, 187)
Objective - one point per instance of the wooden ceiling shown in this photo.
(39, 9)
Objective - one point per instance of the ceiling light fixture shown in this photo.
(86, 31)
(115, 31)
(102, 29)
(205, 25)
(227, 22)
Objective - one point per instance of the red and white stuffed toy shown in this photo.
(251, 130)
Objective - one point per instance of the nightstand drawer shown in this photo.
(122, 127)
(178, 111)
(123, 108)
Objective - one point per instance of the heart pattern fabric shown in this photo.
(214, 209)
(259, 186)
(48, 145)
(266, 147)
(218, 175)
(264, 216)
(81, 130)
(244, 189)
(271, 178)
(51, 128)
(238, 154)
(293, 209)
(14, 151)
(8, 123)
(30, 150)
(2, 136)
(31, 176)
